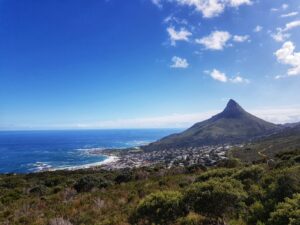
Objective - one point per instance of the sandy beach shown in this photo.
(108, 161)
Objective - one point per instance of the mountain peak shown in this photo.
(233, 109)
(231, 102)
(233, 125)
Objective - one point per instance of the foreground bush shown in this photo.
(87, 183)
(216, 173)
(287, 212)
(159, 208)
(215, 197)
(192, 219)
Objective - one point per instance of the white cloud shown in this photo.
(237, 3)
(292, 25)
(278, 77)
(178, 62)
(222, 77)
(157, 3)
(274, 9)
(239, 79)
(180, 35)
(287, 55)
(211, 8)
(289, 14)
(258, 28)
(215, 41)
(238, 38)
(281, 34)
(219, 76)
(279, 115)
(174, 19)
(284, 6)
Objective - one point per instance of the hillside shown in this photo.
(232, 194)
(233, 125)
(286, 140)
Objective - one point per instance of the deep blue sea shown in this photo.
(33, 151)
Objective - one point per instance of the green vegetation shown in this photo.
(215, 197)
(230, 193)
(163, 207)
(276, 145)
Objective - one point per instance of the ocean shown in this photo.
(34, 151)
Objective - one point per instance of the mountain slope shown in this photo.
(286, 140)
(234, 124)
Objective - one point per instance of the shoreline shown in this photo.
(109, 160)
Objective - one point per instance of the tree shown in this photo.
(287, 212)
(159, 208)
(215, 197)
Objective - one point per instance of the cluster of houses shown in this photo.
(136, 157)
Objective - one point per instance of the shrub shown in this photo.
(52, 182)
(229, 163)
(195, 168)
(256, 213)
(215, 173)
(252, 173)
(159, 208)
(87, 183)
(124, 177)
(191, 219)
(215, 197)
(287, 212)
(38, 190)
(285, 185)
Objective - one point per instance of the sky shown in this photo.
(77, 64)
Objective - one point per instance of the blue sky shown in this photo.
(146, 63)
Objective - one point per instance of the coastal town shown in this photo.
(137, 157)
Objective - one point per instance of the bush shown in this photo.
(287, 212)
(215, 197)
(252, 173)
(229, 163)
(220, 173)
(38, 190)
(87, 183)
(159, 208)
(52, 182)
(124, 177)
(195, 168)
(256, 213)
(285, 185)
(191, 219)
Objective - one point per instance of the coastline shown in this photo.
(109, 160)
